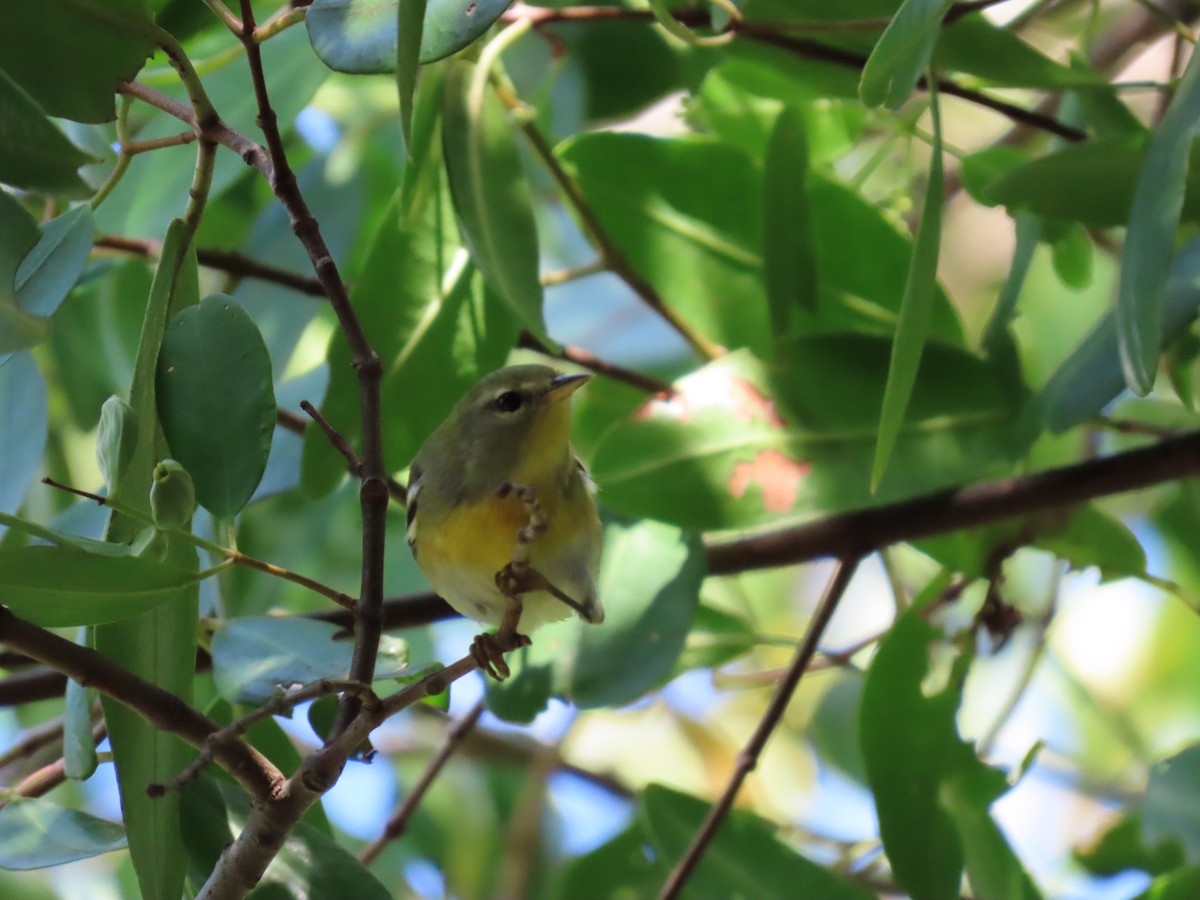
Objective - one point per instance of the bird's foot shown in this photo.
(488, 651)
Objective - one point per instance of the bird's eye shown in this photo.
(509, 401)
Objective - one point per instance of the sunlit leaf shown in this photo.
(56, 586)
(491, 197)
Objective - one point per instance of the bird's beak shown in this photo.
(563, 386)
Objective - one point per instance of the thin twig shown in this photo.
(251, 153)
(285, 418)
(235, 264)
(774, 34)
(48, 777)
(373, 493)
(233, 556)
(339, 442)
(397, 823)
(748, 758)
(956, 508)
(161, 708)
(587, 360)
(281, 703)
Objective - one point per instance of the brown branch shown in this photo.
(287, 419)
(215, 130)
(397, 823)
(373, 494)
(748, 758)
(235, 264)
(770, 33)
(48, 777)
(409, 611)
(162, 709)
(848, 533)
(865, 530)
(584, 359)
(234, 731)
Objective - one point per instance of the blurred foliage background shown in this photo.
(754, 227)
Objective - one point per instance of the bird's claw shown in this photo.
(488, 651)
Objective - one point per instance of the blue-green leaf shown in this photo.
(34, 155)
(36, 834)
(360, 37)
(216, 401)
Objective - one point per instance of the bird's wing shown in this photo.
(414, 491)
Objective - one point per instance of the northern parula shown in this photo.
(469, 488)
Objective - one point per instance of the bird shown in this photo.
(502, 516)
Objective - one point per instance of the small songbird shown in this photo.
(502, 464)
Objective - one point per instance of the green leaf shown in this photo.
(491, 197)
(695, 238)
(1122, 847)
(23, 422)
(650, 577)
(37, 834)
(789, 259)
(1072, 254)
(360, 37)
(216, 401)
(93, 47)
(745, 858)
(160, 645)
(19, 330)
(1091, 537)
(1172, 805)
(254, 657)
(1150, 238)
(698, 239)
(116, 440)
(902, 52)
(1183, 884)
(79, 745)
(974, 45)
(916, 309)
(57, 586)
(621, 869)
(907, 739)
(34, 155)
(748, 445)
(834, 726)
(1062, 184)
(410, 22)
(932, 793)
(1091, 376)
(54, 264)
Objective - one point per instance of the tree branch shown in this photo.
(864, 530)
(373, 493)
(397, 823)
(159, 707)
(748, 758)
